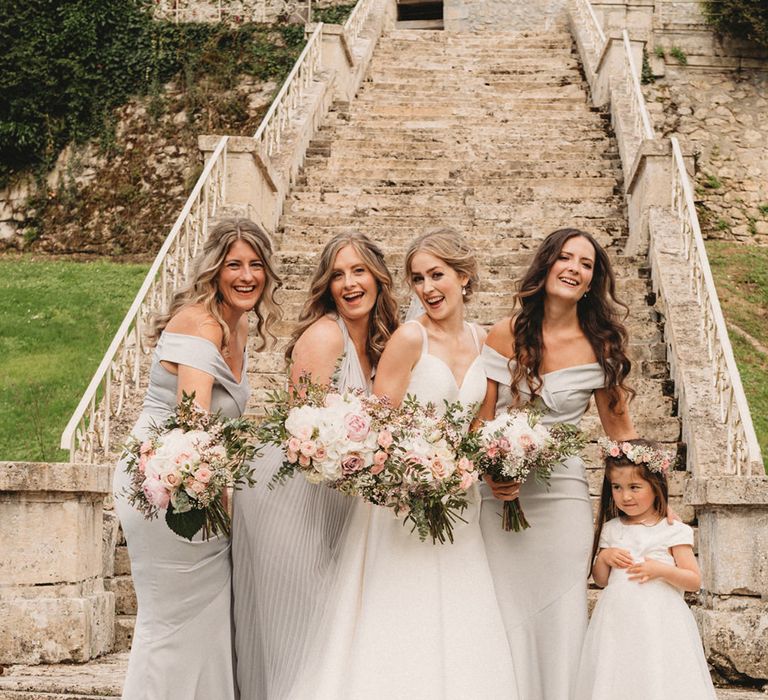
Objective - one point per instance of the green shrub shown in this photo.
(67, 64)
(741, 19)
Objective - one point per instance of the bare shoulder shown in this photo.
(500, 337)
(407, 338)
(324, 334)
(195, 320)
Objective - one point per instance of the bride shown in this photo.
(404, 618)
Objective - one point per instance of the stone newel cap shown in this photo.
(56, 476)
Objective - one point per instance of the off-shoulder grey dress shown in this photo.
(284, 548)
(540, 574)
(182, 642)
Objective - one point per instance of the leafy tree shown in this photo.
(741, 19)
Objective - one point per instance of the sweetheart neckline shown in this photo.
(458, 386)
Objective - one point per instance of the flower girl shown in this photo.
(642, 642)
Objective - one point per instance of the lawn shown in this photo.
(741, 276)
(56, 320)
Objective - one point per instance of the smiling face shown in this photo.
(570, 276)
(632, 494)
(437, 285)
(353, 286)
(241, 278)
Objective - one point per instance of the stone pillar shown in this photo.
(53, 606)
(733, 553)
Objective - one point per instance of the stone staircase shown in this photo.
(490, 134)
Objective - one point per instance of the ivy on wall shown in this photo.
(66, 65)
(741, 19)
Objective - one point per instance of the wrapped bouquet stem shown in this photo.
(187, 467)
(516, 446)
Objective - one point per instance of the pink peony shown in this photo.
(385, 439)
(358, 425)
(352, 463)
(156, 493)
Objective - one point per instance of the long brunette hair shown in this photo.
(597, 311)
(320, 301)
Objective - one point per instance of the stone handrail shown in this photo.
(88, 432)
(357, 18)
(744, 457)
(641, 120)
(284, 106)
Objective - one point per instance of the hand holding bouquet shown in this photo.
(516, 445)
(186, 467)
(401, 458)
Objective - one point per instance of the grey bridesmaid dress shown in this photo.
(284, 549)
(182, 642)
(540, 574)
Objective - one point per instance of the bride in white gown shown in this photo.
(409, 619)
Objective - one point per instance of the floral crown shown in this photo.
(655, 459)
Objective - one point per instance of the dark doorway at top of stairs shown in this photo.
(419, 14)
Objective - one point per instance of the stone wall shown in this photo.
(502, 15)
(238, 10)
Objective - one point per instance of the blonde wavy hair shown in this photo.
(384, 315)
(453, 249)
(202, 288)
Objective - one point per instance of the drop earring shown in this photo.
(463, 291)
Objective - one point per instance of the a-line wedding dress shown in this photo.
(540, 574)
(407, 619)
(284, 550)
(182, 641)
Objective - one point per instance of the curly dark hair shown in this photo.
(598, 314)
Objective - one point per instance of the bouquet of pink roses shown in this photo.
(516, 445)
(400, 458)
(186, 467)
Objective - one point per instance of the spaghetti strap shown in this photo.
(424, 337)
(473, 328)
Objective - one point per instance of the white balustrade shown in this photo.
(594, 32)
(287, 102)
(88, 435)
(357, 18)
(641, 122)
(743, 457)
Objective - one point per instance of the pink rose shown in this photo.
(197, 487)
(465, 465)
(492, 451)
(304, 461)
(467, 479)
(307, 448)
(385, 439)
(665, 464)
(504, 445)
(379, 460)
(292, 456)
(182, 457)
(320, 451)
(171, 480)
(203, 475)
(357, 426)
(437, 468)
(626, 447)
(615, 451)
(146, 448)
(156, 493)
(352, 463)
(294, 444)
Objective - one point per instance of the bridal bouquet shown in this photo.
(516, 445)
(401, 458)
(186, 467)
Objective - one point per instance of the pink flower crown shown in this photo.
(655, 459)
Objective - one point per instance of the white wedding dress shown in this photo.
(407, 619)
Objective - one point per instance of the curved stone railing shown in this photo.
(594, 34)
(641, 122)
(743, 457)
(275, 123)
(88, 432)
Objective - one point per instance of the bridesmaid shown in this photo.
(285, 541)
(564, 345)
(182, 642)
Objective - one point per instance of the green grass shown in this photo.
(56, 320)
(741, 276)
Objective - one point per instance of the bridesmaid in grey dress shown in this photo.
(285, 541)
(565, 344)
(182, 642)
